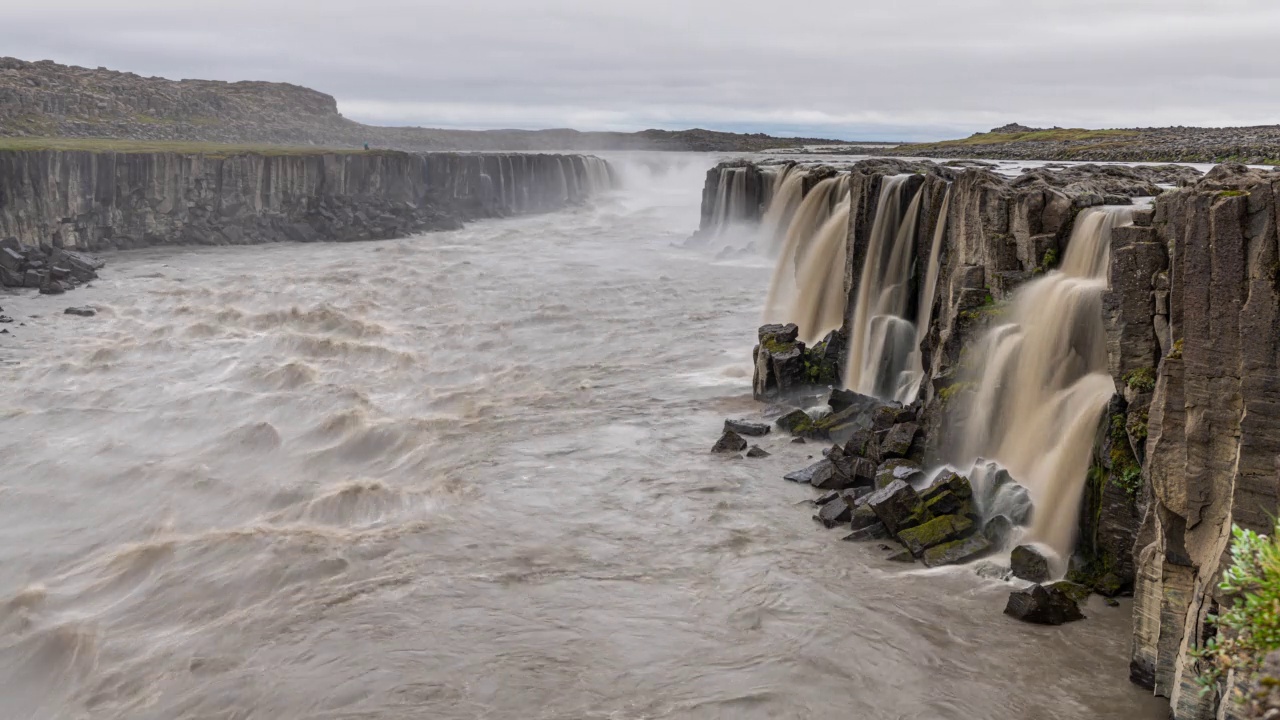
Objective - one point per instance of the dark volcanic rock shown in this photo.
(897, 469)
(957, 551)
(897, 506)
(1029, 563)
(935, 532)
(1043, 605)
(842, 400)
(837, 512)
(746, 428)
(757, 452)
(898, 442)
(998, 530)
(816, 474)
(730, 442)
(952, 482)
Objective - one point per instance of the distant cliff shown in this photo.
(45, 99)
(92, 201)
(1254, 145)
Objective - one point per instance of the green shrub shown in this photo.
(1141, 380)
(1250, 627)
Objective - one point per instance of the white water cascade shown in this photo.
(807, 287)
(788, 193)
(1042, 383)
(882, 340)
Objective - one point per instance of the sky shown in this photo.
(846, 69)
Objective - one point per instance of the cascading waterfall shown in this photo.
(814, 223)
(1043, 385)
(908, 386)
(819, 309)
(882, 339)
(788, 193)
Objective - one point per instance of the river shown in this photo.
(462, 475)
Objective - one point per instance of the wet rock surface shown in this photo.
(1028, 563)
(1043, 605)
(729, 442)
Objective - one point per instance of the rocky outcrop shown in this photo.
(45, 99)
(106, 200)
(1213, 430)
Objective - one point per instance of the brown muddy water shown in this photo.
(461, 475)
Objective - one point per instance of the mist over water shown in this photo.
(461, 475)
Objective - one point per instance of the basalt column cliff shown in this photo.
(90, 201)
(1042, 362)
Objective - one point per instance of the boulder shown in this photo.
(870, 532)
(841, 400)
(779, 362)
(935, 532)
(863, 472)
(1028, 563)
(946, 503)
(816, 474)
(826, 497)
(11, 260)
(956, 551)
(798, 422)
(1076, 592)
(1043, 605)
(10, 278)
(730, 442)
(897, 469)
(757, 452)
(897, 443)
(897, 506)
(998, 530)
(863, 443)
(948, 481)
(863, 516)
(836, 512)
(746, 428)
(81, 311)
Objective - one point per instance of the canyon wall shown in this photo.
(91, 201)
(1213, 440)
(1190, 441)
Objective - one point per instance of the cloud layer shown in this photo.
(847, 68)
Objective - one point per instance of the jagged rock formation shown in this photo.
(1213, 437)
(100, 201)
(45, 99)
(1190, 442)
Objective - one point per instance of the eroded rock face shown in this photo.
(1213, 427)
(113, 200)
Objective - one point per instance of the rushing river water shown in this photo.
(461, 475)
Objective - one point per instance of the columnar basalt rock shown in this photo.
(1190, 441)
(106, 200)
(1214, 423)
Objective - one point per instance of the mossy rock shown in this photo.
(956, 551)
(934, 532)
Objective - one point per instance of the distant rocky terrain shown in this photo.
(46, 99)
(1250, 145)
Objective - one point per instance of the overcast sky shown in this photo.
(840, 68)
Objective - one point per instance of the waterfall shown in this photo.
(788, 192)
(1043, 385)
(819, 309)
(908, 386)
(809, 219)
(881, 339)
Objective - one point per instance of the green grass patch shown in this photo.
(1059, 135)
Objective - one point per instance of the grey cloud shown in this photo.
(843, 68)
